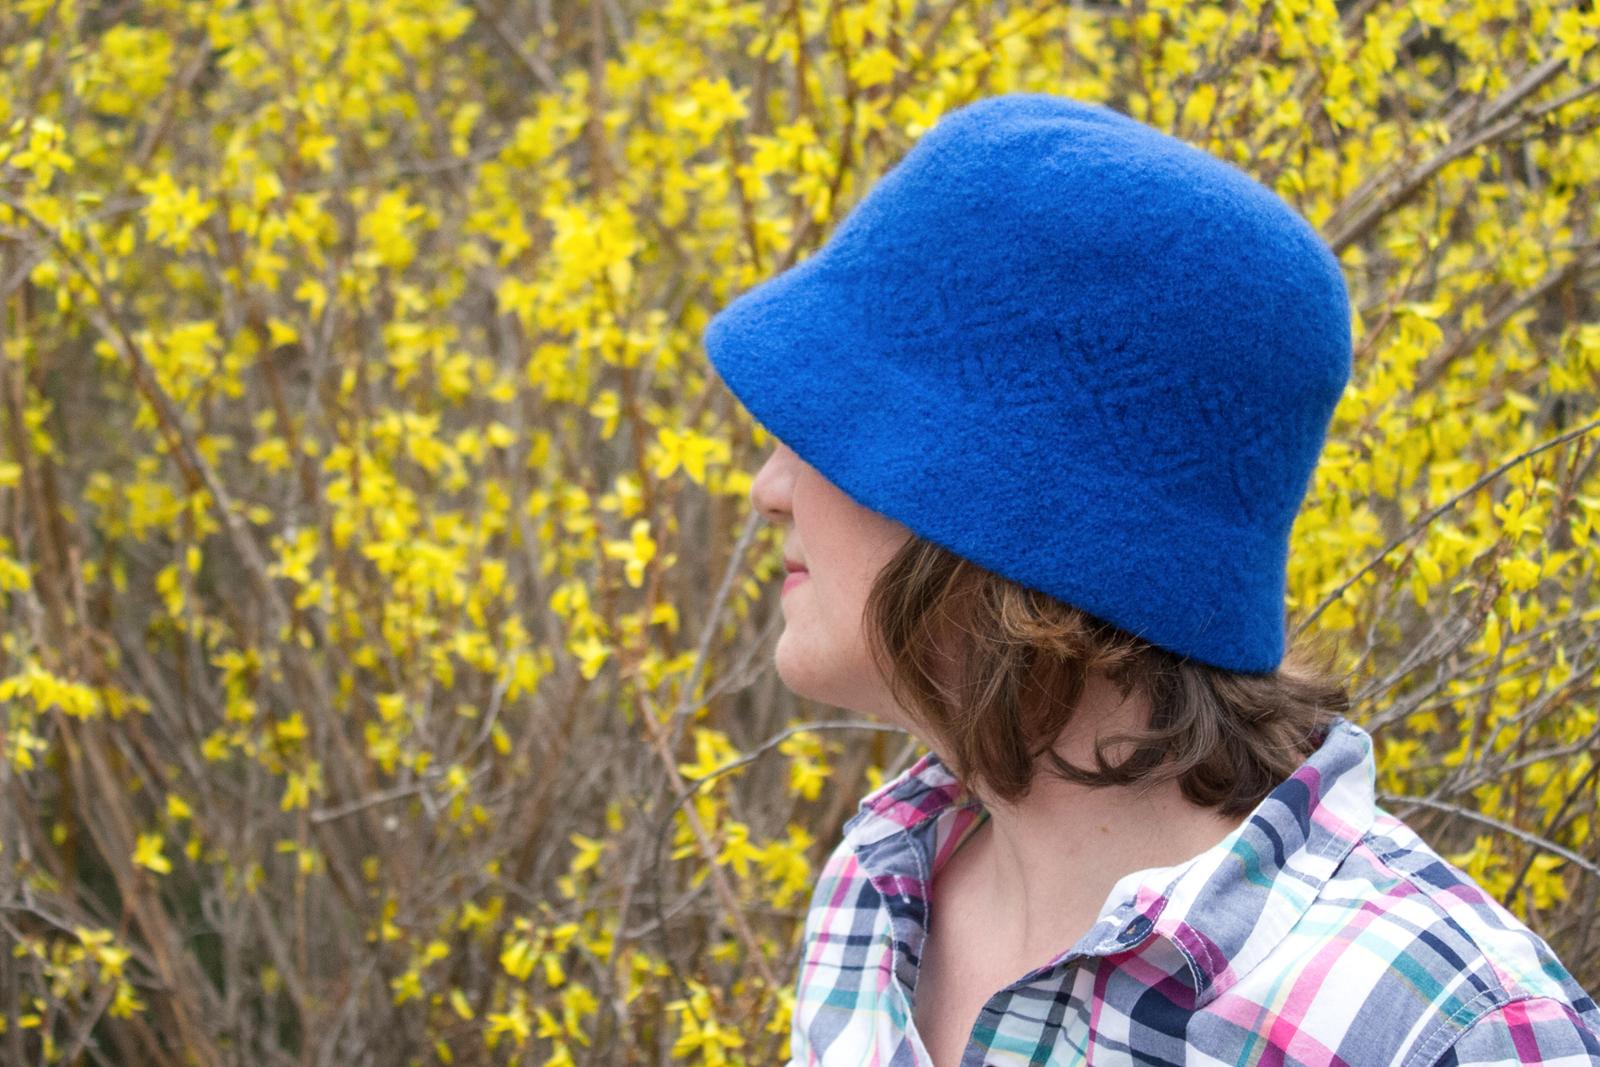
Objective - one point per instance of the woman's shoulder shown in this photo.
(1404, 949)
(1445, 904)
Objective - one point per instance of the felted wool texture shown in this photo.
(1074, 350)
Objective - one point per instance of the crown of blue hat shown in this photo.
(1074, 350)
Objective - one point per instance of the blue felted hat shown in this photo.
(1073, 350)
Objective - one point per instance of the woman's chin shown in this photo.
(792, 673)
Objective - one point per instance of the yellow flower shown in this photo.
(147, 854)
(591, 653)
(588, 852)
(875, 66)
(126, 1002)
(637, 551)
(688, 449)
(1520, 573)
(737, 851)
(173, 211)
(515, 1022)
(518, 958)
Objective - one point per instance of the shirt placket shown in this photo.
(1115, 932)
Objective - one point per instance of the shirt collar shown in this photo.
(1223, 909)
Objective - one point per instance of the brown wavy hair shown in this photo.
(1020, 661)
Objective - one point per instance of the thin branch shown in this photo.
(1488, 820)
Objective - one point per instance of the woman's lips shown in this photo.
(794, 579)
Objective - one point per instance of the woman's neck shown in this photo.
(1045, 863)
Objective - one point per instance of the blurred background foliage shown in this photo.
(385, 673)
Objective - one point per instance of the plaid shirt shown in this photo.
(1321, 931)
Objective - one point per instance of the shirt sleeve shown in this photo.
(799, 1049)
(1539, 1030)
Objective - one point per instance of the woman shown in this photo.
(1047, 403)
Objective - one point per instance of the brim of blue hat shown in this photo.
(812, 366)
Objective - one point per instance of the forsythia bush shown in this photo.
(384, 675)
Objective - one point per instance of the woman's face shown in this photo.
(842, 546)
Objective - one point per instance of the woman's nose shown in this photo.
(769, 490)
